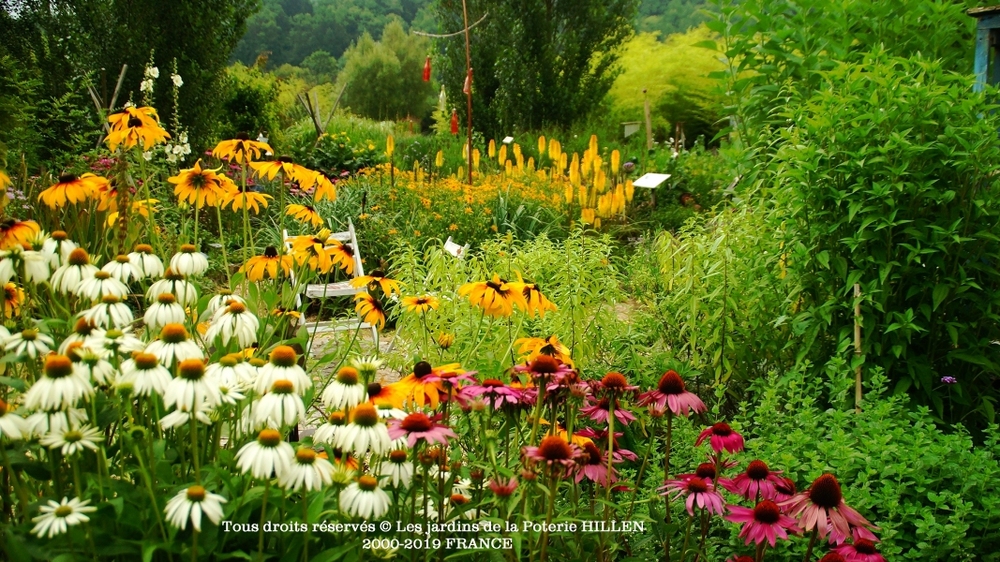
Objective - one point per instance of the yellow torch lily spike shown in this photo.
(491, 150)
(502, 157)
(541, 145)
(615, 160)
(390, 146)
(475, 159)
(629, 190)
(439, 159)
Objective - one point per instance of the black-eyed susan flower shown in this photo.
(71, 189)
(535, 301)
(312, 250)
(420, 304)
(241, 150)
(267, 265)
(240, 198)
(291, 171)
(370, 309)
(342, 255)
(198, 186)
(496, 297)
(133, 126)
(376, 278)
(325, 189)
(551, 346)
(13, 297)
(16, 233)
(4, 180)
(305, 214)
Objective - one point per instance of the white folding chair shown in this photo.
(338, 289)
(454, 249)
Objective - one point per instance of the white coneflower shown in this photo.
(173, 283)
(145, 374)
(71, 275)
(365, 433)
(364, 499)
(6, 267)
(29, 342)
(388, 412)
(232, 372)
(265, 456)
(174, 346)
(398, 471)
(92, 365)
(102, 284)
(56, 248)
(219, 301)
(71, 441)
(307, 471)
(44, 422)
(189, 261)
(57, 518)
(82, 330)
(191, 390)
(164, 311)
(59, 387)
(146, 262)
(115, 341)
(345, 390)
(122, 269)
(12, 426)
(181, 418)
(283, 365)
(367, 366)
(234, 322)
(230, 395)
(111, 312)
(36, 267)
(327, 433)
(189, 504)
(280, 407)
(455, 506)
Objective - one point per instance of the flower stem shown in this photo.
(263, 511)
(225, 254)
(760, 551)
(687, 536)
(812, 543)
(194, 449)
(305, 520)
(666, 476)
(194, 546)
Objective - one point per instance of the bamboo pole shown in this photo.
(857, 347)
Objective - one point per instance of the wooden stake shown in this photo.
(857, 346)
(468, 77)
(649, 122)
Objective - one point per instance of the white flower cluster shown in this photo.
(149, 77)
(176, 78)
(177, 151)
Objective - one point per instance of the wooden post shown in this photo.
(649, 122)
(857, 346)
(468, 81)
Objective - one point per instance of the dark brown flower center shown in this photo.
(365, 415)
(67, 178)
(196, 493)
(166, 298)
(416, 423)
(592, 452)
(767, 512)
(398, 456)
(305, 455)
(833, 557)
(757, 470)
(554, 448)
(671, 383)
(269, 438)
(705, 470)
(492, 383)
(283, 386)
(191, 369)
(697, 486)
(865, 546)
(242, 135)
(174, 333)
(79, 257)
(422, 369)
(787, 487)
(58, 366)
(145, 361)
(722, 429)
(284, 356)
(347, 376)
(614, 381)
(825, 492)
(544, 364)
(270, 252)
(367, 483)
(134, 122)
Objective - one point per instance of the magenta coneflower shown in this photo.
(705, 471)
(600, 437)
(756, 482)
(503, 488)
(722, 438)
(784, 490)
(416, 427)
(670, 393)
(592, 465)
(546, 368)
(599, 411)
(765, 522)
(554, 452)
(495, 392)
(614, 383)
(862, 550)
(736, 558)
(832, 557)
(822, 507)
(699, 492)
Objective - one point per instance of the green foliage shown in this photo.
(669, 16)
(931, 493)
(384, 79)
(889, 180)
(674, 76)
(536, 63)
(249, 104)
(288, 32)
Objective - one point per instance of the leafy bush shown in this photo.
(250, 104)
(931, 492)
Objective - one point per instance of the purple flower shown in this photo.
(949, 380)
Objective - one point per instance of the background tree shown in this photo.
(384, 79)
(670, 16)
(536, 63)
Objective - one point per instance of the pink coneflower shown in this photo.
(737, 558)
(592, 465)
(601, 436)
(784, 490)
(861, 550)
(670, 393)
(503, 488)
(554, 452)
(598, 411)
(495, 392)
(763, 522)
(705, 471)
(722, 438)
(699, 492)
(756, 482)
(546, 368)
(416, 427)
(822, 507)
(832, 557)
(614, 383)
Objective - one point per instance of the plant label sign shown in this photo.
(651, 181)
